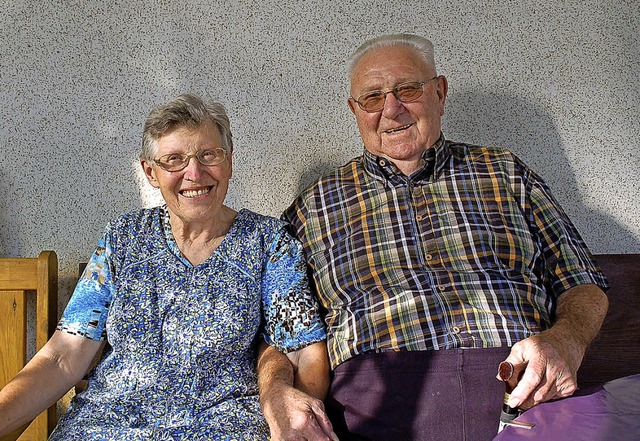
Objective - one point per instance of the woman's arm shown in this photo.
(55, 368)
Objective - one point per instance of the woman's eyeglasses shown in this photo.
(173, 162)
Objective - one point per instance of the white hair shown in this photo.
(421, 44)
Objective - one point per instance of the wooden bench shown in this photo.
(19, 279)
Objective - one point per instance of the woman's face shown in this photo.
(195, 193)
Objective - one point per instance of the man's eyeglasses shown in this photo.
(174, 162)
(405, 92)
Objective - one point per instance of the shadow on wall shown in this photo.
(12, 215)
(310, 176)
(506, 121)
(4, 218)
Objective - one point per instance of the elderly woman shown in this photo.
(184, 294)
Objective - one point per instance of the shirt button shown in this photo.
(419, 217)
(456, 330)
(382, 163)
(429, 257)
(441, 287)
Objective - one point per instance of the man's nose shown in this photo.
(392, 106)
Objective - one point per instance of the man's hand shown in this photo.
(293, 415)
(550, 370)
(551, 359)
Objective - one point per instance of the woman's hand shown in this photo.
(291, 413)
(294, 415)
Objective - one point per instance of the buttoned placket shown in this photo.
(424, 219)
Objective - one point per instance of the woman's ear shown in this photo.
(229, 159)
(149, 172)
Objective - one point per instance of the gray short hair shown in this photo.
(186, 110)
(421, 44)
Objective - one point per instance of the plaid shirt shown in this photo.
(470, 251)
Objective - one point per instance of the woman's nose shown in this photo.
(194, 168)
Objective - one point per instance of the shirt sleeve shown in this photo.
(292, 319)
(86, 313)
(567, 260)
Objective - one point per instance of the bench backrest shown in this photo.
(19, 279)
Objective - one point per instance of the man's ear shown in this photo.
(149, 172)
(442, 90)
(352, 105)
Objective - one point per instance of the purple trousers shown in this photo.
(445, 395)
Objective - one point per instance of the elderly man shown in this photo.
(435, 261)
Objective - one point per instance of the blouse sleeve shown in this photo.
(292, 319)
(86, 312)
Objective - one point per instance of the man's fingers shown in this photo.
(527, 385)
(542, 391)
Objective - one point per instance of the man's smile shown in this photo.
(398, 129)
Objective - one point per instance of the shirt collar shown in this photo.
(433, 158)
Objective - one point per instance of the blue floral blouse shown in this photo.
(182, 358)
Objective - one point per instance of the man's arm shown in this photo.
(60, 364)
(295, 412)
(311, 369)
(552, 358)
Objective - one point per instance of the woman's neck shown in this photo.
(198, 240)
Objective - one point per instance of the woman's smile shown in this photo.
(192, 193)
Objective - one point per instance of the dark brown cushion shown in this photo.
(615, 352)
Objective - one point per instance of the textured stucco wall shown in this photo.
(558, 82)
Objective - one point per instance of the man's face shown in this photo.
(400, 132)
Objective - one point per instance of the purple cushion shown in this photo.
(615, 352)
